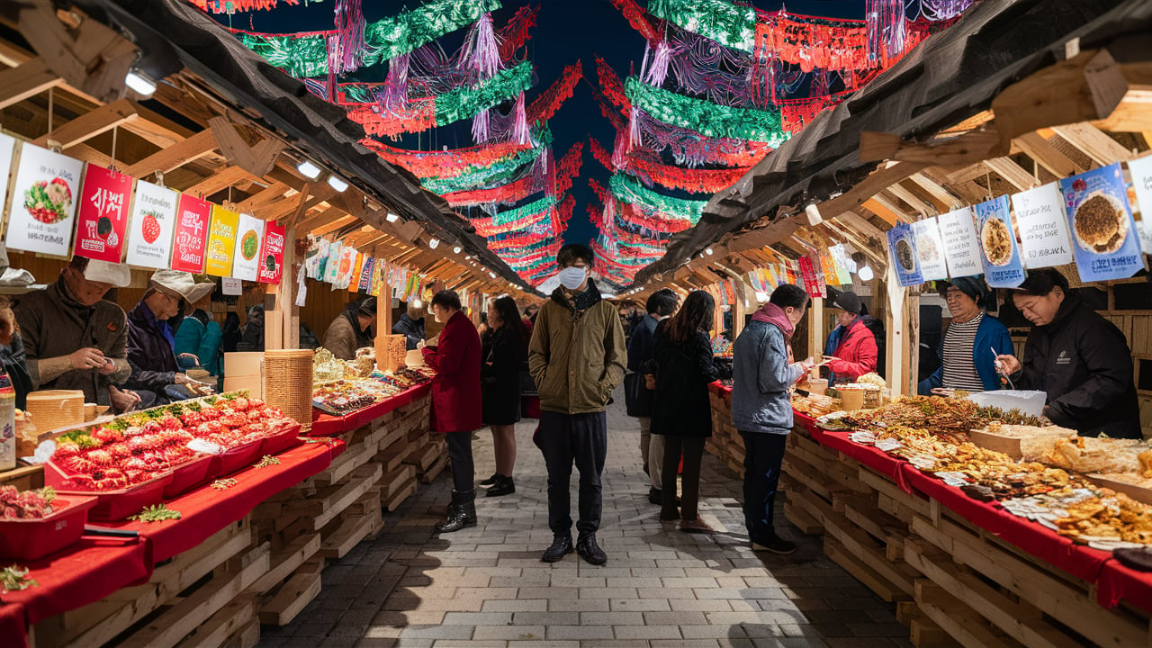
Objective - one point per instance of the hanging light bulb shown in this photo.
(433, 243)
(139, 83)
(865, 273)
(416, 303)
(308, 170)
(457, 249)
(709, 251)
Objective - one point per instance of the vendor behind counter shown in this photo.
(1079, 358)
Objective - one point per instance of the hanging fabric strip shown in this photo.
(705, 117)
(349, 36)
(726, 23)
(628, 190)
(549, 101)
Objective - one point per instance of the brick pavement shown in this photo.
(486, 587)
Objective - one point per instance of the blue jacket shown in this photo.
(991, 334)
(201, 336)
(761, 377)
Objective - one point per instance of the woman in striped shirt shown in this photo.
(972, 341)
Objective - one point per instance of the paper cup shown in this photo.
(852, 399)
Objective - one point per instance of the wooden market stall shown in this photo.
(223, 128)
(1012, 97)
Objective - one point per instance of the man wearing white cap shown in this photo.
(151, 338)
(74, 338)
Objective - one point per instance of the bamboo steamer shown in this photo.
(56, 408)
(288, 383)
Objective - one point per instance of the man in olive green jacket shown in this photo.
(576, 357)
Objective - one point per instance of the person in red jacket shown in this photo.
(456, 404)
(855, 351)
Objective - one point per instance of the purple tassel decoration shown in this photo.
(618, 150)
(658, 71)
(634, 138)
(886, 28)
(481, 127)
(394, 96)
(521, 134)
(484, 51)
(349, 36)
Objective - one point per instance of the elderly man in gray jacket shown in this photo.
(762, 374)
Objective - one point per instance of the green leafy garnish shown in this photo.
(268, 460)
(224, 484)
(48, 493)
(156, 513)
(15, 579)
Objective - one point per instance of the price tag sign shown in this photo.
(231, 286)
(930, 249)
(961, 247)
(1102, 227)
(903, 255)
(1043, 227)
(1002, 267)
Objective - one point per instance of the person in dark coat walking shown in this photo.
(411, 324)
(1077, 357)
(637, 396)
(504, 357)
(456, 404)
(682, 411)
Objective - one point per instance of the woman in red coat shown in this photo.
(456, 405)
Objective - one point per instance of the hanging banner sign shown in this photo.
(840, 258)
(1102, 226)
(44, 202)
(1043, 227)
(930, 249)
(1141, 170)
(272, 254)
(344, 268)
(1001, 259)
(808, 272)
(354, 276)
(365, 282)
(829, 267)
(7, 150)
(221, 242)
(961, 246)
(903, 256)
(189, 244)
(153, 219)
(102, 217)
(331, 269)
(820, 273)
(246, 261)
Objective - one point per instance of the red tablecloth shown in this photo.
(206, 510)
(84, 573)
(12, 625)
(1118, 583)
(328, 425)
(877, 460)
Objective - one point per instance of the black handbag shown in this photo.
(637, 396)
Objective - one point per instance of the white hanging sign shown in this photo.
(930, 249)
(231, 286)
(961, 246)
(44, 202)
(1141, 170)
(1043, 227)
(153, 221)
(246, 261)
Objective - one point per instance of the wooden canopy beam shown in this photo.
(1041, 150)
(1013, 173)
(333, 225)
(1094, 143)
(27, 80)
(175, 156)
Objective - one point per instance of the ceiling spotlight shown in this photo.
(336, 183)
(457, 249)
(492, 274)
(433, 243)
(139, 83)
(708, 251)
(309, 170)
(467, 257)
(865, 273)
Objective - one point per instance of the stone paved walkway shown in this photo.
(486, 587)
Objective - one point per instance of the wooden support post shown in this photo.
(816, 328)
(895, 324)
(282, 316)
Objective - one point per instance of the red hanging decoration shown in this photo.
(549, 101)
(504, 194)
(612, 86)
(419, 115)
(516, 32)
(812, 44)
(568, 168)
(444, 164)
(639, 22)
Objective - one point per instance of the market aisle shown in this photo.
(487, 587)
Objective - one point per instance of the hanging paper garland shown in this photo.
(498, 173)
(628, 190)
(236, 6)
(812, 42)
(635, 16)
(719, 20)
(533, 208)
(503, 195)
(705, 117)
(446, 163)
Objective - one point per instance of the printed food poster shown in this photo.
(1043, 227)
(840, 257)
(1002, 267)
(961, 246)
(221, 242)
(902, 251)
(829, 266)
(189, 245)
(44, 202)
(1141, 170)
(930, 249)
(7, 150)
(246, 260)
(102, 216)
(1103, 230)
(153, 221)
(808, 272)
(272, 254)
(354, 276)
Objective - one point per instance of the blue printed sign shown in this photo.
(1101, 223)
(998, 252)
(902, 250)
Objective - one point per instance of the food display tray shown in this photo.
(34, 538)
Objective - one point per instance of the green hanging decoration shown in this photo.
(480, 177)
(719, 20)
(466, 102)
(627, 190)
(306, 55)
(513, 215)
(705, 117)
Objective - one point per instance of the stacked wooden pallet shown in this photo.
(952, 583)
(726, 443)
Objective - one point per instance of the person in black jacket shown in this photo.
(637, 396)
(1077, 357)
(682, 411)
(504, 357)
(411, 324)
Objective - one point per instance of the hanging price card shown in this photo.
(102, 216)
(1043, 227)
(1002, 268)
(189, 244)
(930, 249)
(272, 254)
(250, 235)
(902, 255)
(153, 220)
(961, 247)
(1141, 170)
(1101, 223)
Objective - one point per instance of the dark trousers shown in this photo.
(692, 448)
(565, 439)
(763, 454)
(460, 452)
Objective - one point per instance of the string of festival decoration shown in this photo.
(498, 173)
(447, 163)
(726, 23)
(501, 195)
(705, 117)
(671, 177)
(627, 190)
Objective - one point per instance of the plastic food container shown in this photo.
(237, 458)
(286, 439)
(111, 505)
(35, 538)
(189, 475)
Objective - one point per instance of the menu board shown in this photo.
(249, 236)
(930, 249)
(1103, 230)
(1043, 227)
(189, 244)
(272, 254)
(998, 253)
(153, 220)
(221, 242)
(961, 247)
(1141, 170)
(902, 252)
(44, 202)
(102, 216)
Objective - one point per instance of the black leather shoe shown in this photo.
(655, 496)
(491, 481)
(561, 546)
(503, 486)
(591, 552)
(460, 516)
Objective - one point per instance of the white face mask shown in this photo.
(572, 278)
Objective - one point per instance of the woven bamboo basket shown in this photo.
(56, 408)
(288, 383)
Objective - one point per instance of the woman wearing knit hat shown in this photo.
(972, 341)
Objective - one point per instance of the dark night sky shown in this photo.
(566, 30)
